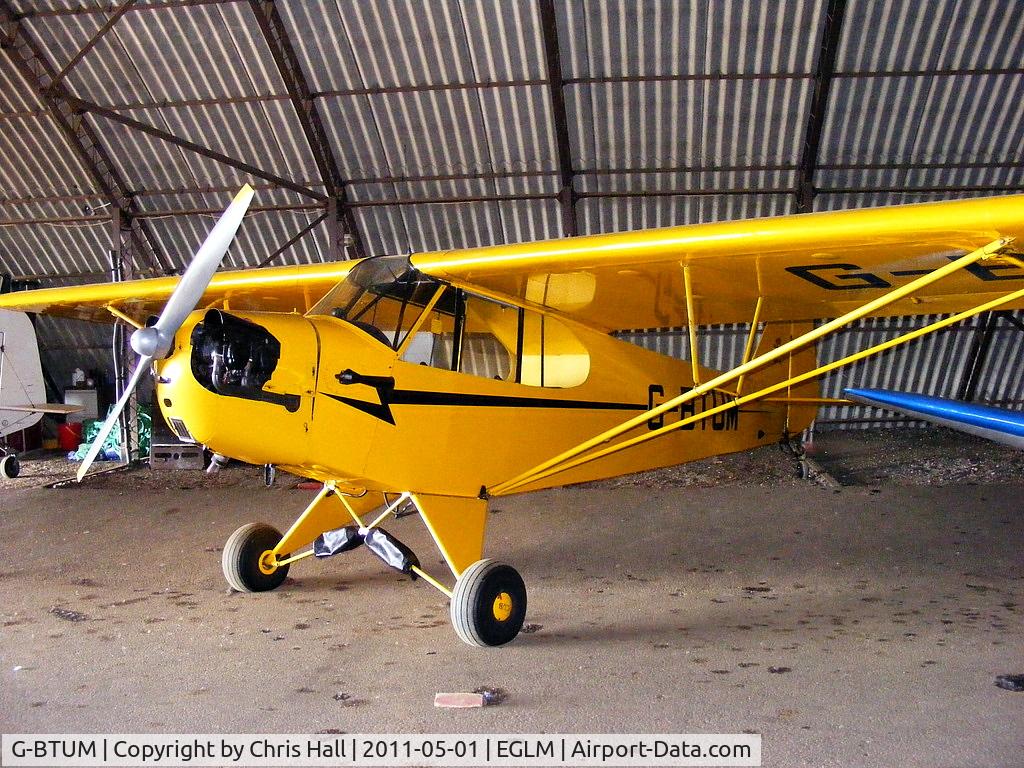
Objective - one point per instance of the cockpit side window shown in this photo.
(468, 334)
(482, 337)
(488, 332)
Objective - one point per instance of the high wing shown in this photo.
(274, 289)
(802, 267)
(805, 267)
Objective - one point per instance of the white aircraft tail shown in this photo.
(22, 392)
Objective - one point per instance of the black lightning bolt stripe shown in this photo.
(389, 397)
(413, 397)
(379, 410)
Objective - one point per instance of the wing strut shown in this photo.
(691, 323)
(749, 349)
(572, 457)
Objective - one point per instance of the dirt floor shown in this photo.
(857, 626)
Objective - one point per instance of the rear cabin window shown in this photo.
(551, 354)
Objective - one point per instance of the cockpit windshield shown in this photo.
(383, 296)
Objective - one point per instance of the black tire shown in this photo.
(488, 604)
(10, 467)
(241, 559)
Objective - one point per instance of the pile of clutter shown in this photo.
(76, 437)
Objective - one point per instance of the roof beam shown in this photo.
(966, 188)
(276, 36)
(766, 76)
(92, 43)
(82, 105)
(107, 7)
(292, 240)
(212, 101)
(153, 192)
(912, 166)
(90, 221)
(552, 57)
(637, 193)
(38, 73)
(526, 83)
(823, 75)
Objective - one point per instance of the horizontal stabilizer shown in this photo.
(44, 408)
(997, 424)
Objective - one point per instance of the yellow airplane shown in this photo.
(434, 382)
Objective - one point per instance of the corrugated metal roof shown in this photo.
(47, 249)
(949, 119)
(838, 202)
(1001, 379)
(624, 37)
(264, 135)
(933, 365)
(687, 124)
(403, 42)
(40, 162)
(901, 114)
(679, 182)
(259, 236)
(74, 344)
(35, 160)
(679, 99)
(901, 35)
(626, 213)
(407, 228)
(196, 52)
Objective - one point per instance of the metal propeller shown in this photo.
(157, 340)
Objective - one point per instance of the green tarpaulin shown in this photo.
(112, 445)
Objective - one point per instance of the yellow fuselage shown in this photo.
(399, 426)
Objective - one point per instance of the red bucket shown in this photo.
(69, 436)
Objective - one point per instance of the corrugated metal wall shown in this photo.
(936, 364)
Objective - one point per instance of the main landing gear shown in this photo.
(248, 562)
(488, 602)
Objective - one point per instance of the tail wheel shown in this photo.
(248, 562)
(10, 467)
(488, 604)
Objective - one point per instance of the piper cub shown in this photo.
(431, 383)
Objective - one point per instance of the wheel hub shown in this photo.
(268, 562)
(502, 607)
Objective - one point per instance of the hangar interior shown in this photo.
(387, 127)
(853, 625)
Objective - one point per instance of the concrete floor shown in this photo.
(660, 609)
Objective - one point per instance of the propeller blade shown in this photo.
(157, 340)
(108, 425)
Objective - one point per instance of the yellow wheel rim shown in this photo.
(268, 562)
(502, 607)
